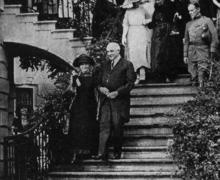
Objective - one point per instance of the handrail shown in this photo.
(69, 14)
(5, 126)
(28, 130)
(30, 154)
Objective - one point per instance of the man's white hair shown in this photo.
(113, 45)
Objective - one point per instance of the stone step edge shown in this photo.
(27, 14)
(157, 85)
(12, 6)
(148, 126)
(153, 115)
(155, 105)
(45, 22)
(133, 96)
(110, 173)
(136, 160)
(143, 149)
(152, 136)
(63, 30)
(162, 149)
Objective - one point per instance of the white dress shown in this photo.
(138, 35)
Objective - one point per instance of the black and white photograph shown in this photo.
(109, 89)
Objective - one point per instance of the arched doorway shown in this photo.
(8, 52)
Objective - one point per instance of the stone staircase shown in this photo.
(145, 155)
(19, 30)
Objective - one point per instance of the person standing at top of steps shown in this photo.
(117, 78)
(200, 44)
(1, 6)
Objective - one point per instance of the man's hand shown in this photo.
(112, 95)
(185, 60)
(213, 55)
(104, 90)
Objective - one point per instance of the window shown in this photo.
(24, 104)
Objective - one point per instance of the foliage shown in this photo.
(111, 33)
(195, 132)
(113, 26)
(38, 64)
(97, 50)
(56, 110)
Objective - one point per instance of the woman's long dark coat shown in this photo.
(83, 130)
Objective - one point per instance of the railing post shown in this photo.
(5, 149)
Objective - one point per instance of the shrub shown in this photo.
(56, 110)
(195, 132)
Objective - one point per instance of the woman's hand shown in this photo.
(74, 73)
(185, 59)
(124, 40)
(146, 22)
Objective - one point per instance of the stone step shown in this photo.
(146, 140)
(28, 17)
(144, 148)
(161, 99)
(183, 79)
(137, 110)
(160, 129)
(12, 9)
(146, 155)
(143, 153)
(113, 175)
(45, 25)
(77, 42)
(63, 33)
(151, 120)
(123, 165)
(163, 89)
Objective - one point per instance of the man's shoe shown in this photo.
(75, 159)
(117, 156)
(103, 157)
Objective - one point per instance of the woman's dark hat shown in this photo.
(83, 58)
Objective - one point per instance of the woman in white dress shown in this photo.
(136, 36)
(217, 3)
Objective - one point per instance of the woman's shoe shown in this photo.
(142, 74)
(75, 159)
(137, 80)
(168, 80)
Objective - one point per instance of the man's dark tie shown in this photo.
(112, 64)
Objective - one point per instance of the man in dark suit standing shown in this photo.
(116, 81)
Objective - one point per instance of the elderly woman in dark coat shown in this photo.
(161, 24)
(83, 130)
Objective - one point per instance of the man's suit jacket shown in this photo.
(121, 78)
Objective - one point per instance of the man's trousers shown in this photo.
(111, 126)
(198, 69)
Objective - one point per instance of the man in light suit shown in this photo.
(117, 78)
